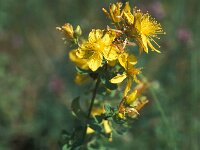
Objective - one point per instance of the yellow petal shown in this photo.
(127, 14)
(140, 44)
(107, 126)
(132, 97)
(95, 35)
(132, 59)
(115, 11)
(152, 47)
(95, 61)
(109, 37)
(144, 43)
(72, 55)
(110, 53)
(106, 39)
(128, 86)
(118, 78)
(84, 54)
(127, 61)
(127, 7)
(122, 116)
(81, 63)
(137, 20)
(123, 60)
(89, 130)
(136, 79)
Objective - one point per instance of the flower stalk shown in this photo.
(90, 107)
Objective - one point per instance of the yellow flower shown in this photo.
(131, 104)
(67, 29)
(146, 28)
(115, 12)
(143, 28)
(98, 47)
(127, 62)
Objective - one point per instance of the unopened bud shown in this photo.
(121, 116)
(78, 31)
(67, 29)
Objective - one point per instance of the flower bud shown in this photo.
(121, 116)
(68, 30)
(78, 31)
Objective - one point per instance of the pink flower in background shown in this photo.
(184, 35)
(17, 41)
(157, 10)
(56, 85)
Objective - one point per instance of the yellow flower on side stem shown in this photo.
(98, 47)
(127, 62)
(131, 104)
(143, 28)
(146, 28)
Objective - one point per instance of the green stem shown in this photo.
(91, 106)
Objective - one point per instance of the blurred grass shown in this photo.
(36, 78)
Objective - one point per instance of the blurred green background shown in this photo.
(36, 77)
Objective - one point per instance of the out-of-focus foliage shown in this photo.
(36, 77)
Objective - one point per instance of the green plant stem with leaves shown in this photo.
(91, 106)
(105, 58)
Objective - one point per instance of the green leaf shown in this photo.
(65, 137)
(76, 109)
(78, 136)
(109, 111)
(65, 147)
(96, 127)
(102, 90)
(99, 118)
(120, 128)
(111, 86)
(107, 108)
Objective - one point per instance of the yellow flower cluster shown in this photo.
(138, 26)
(109, 47)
